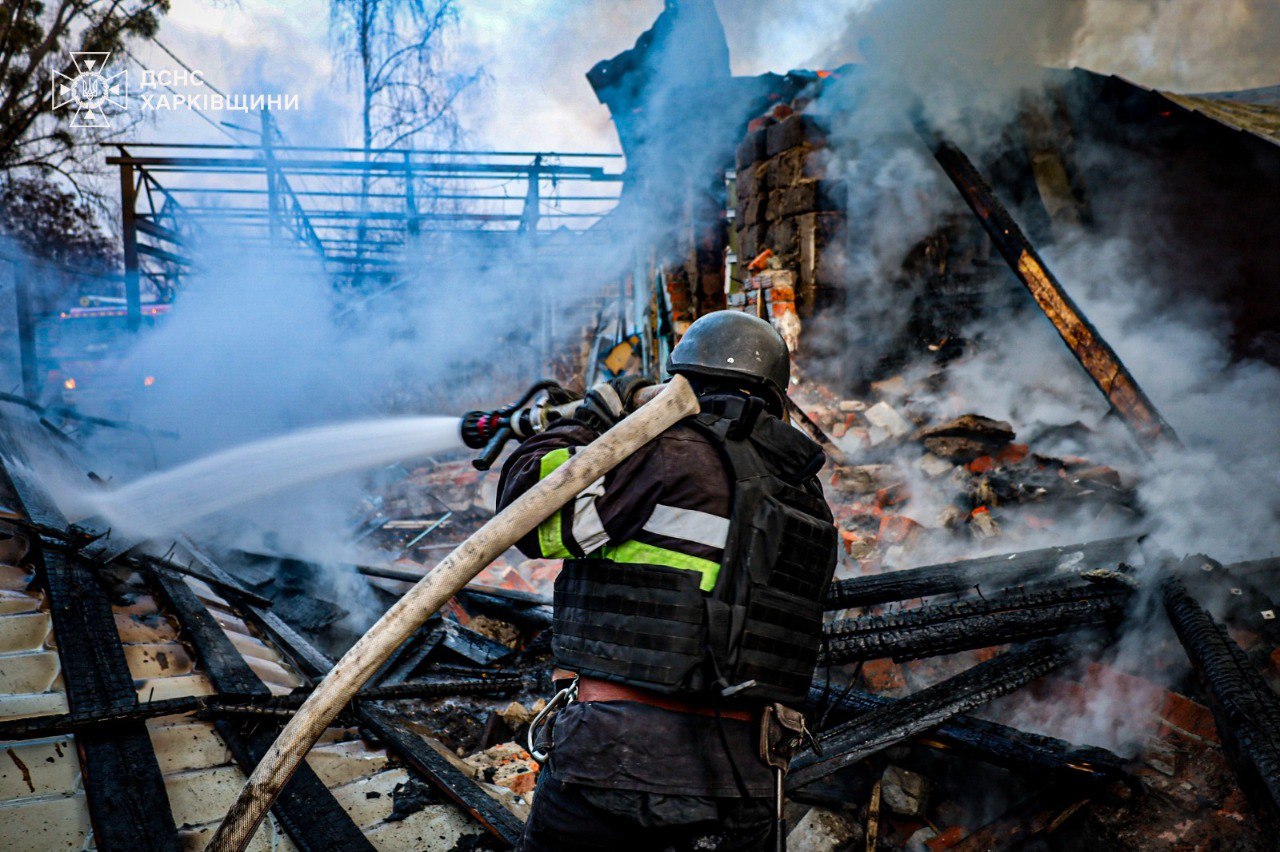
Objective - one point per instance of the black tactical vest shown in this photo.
(755, 635)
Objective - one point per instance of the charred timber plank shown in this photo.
(222, 703)
(471, 645)
(990, 742)
(1250, 604)
(227, 669)
(1095, 355)
(220, 582)
(1245, 709)
(1256, 566)
(73, 723)
(406, 659)
(529, 616)
(929, 631)
(408, 747)
(302, 653)
(857, 739)
(128, 805)
(1002, 570)
(442, 774)
(307, 811)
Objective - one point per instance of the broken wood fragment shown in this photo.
(987, 571)
(1093, 352)
(867, 734)
(1014, 616)
(980, 739)
(1245, 709)
(128, 804)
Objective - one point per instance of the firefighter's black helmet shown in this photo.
(738, 347)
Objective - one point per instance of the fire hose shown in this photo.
(673, 403)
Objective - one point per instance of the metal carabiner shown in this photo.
(564, 696)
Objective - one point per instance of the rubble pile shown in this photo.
(914, 487)
(957, 642)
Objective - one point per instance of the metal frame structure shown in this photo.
(352, 210)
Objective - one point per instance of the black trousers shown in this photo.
(569, 817)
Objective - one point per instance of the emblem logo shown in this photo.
(91, 90)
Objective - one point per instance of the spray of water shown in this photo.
(165, 502)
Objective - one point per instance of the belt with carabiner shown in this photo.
(561, 699)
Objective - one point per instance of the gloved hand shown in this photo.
(608, 402)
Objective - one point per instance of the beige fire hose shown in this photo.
(675, 402)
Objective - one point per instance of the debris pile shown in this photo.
(913, 487)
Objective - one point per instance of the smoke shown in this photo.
(259, 345)
(970, 70)
(1183, 45)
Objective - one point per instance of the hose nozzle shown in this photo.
(489, 431)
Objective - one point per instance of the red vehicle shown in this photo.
(81, 356)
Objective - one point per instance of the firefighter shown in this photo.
(689, 608)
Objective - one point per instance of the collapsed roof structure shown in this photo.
(143, 680)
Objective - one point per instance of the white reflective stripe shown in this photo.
(688, 525)
(588, 529)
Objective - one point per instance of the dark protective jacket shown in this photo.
(699, 564)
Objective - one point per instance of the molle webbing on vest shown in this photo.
(638, 624)
(671, 622)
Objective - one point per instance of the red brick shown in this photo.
(883, 675)
(981, 464)
(891, 496)
(1183, 714)
(898, 529)
(1012, 453)
(948, 838)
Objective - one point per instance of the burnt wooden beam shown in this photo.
(73, 723)
(220, 581)
(1245, 709)
(1016, 616)
(1088, 346)
(128, 805)
(306, 809)
(988, 571)
(528, 618)
(226, 667)
(859, 738)
(222, 704)
(410, 654)
(460, 788)
(980, 739)
(407, 746)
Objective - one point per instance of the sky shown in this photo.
(535, 54)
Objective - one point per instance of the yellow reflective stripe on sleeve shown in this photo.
(551, 461)
(639, 553)
(550, 540)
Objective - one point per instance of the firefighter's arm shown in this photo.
(533, 461)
